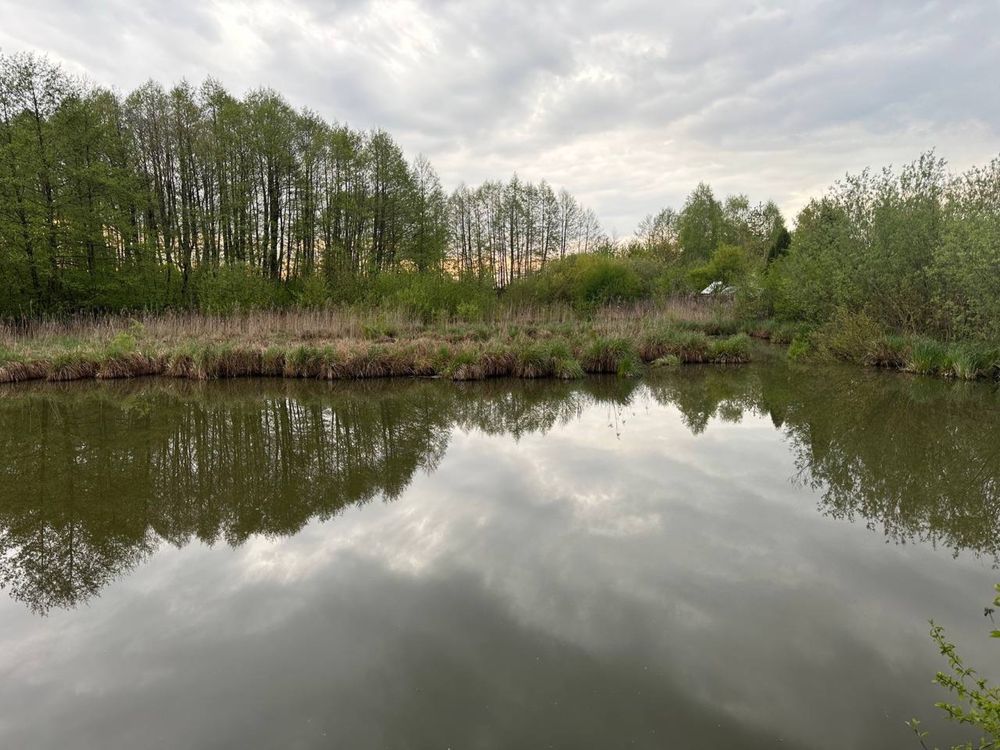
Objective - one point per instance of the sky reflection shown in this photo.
(590, 583)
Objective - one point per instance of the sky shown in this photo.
(627, 104)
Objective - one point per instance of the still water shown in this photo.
(706, 558)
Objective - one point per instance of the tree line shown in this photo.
(914, 249)
(191, 197)
(910, 250)
(145, 200)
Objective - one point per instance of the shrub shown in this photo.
(731, 350)
(729, 264)
(971, 361)
(123, 343)
(232, 289)
(889, 351)
(976, 702)
(801, 348)
(586, 282)
(429, 295)
(610, 355)
(849, 336)
(312, 292)
(929, 357)
(469, 311)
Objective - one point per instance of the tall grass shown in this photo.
(856, 338)
(520, 341)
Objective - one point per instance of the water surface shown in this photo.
(707, 558)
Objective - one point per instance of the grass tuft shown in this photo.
(730, 351)
(929, 357)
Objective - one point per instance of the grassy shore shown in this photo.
(512, 341)
(350, 343)
(857, 339)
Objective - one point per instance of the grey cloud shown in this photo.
(627, 103)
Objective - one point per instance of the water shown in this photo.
(707, 558)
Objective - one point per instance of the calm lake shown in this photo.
(706, 558)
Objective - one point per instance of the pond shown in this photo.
(705, 558)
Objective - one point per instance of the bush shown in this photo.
(971, 361)
(849, 336)
(929, 357)
(586, 281)
(976, 702)
(801, 348)
(430, 295)
(312, 292)
(234, 289)
(731, 350)
(729, 264)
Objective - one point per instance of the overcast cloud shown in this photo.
(628, 104)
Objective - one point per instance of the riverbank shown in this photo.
(857, 339)
(518, 341)
(341, 344)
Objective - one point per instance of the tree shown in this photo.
(700, 224)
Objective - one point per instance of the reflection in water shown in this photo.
(95, 477)
(919, 459)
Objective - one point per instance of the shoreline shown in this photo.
(571, 349)
(545, 342)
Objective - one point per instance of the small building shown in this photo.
(718, 289)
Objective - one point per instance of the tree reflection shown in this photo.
(917, 458)
(96, 477)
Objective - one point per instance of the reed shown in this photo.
(528, 342)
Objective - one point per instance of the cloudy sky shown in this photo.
(626, 103)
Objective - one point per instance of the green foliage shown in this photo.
(971, 361)
(586, 281)
(190, 197)
(929, 357)
(849, 336)
(546, 359)
(700, 224)
(8, 356)
(312, 292)
(916, 251)
(975, 702)
(122, 344)
(429, 295)
(730, 350)
(379, 329)
(801, 348)
(469, 311)
(611, 355)
(729, 264)
(234, 289)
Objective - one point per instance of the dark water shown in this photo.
(708, 558)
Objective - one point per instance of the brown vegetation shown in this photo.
(352, 343)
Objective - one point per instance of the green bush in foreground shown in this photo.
(976, 702)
